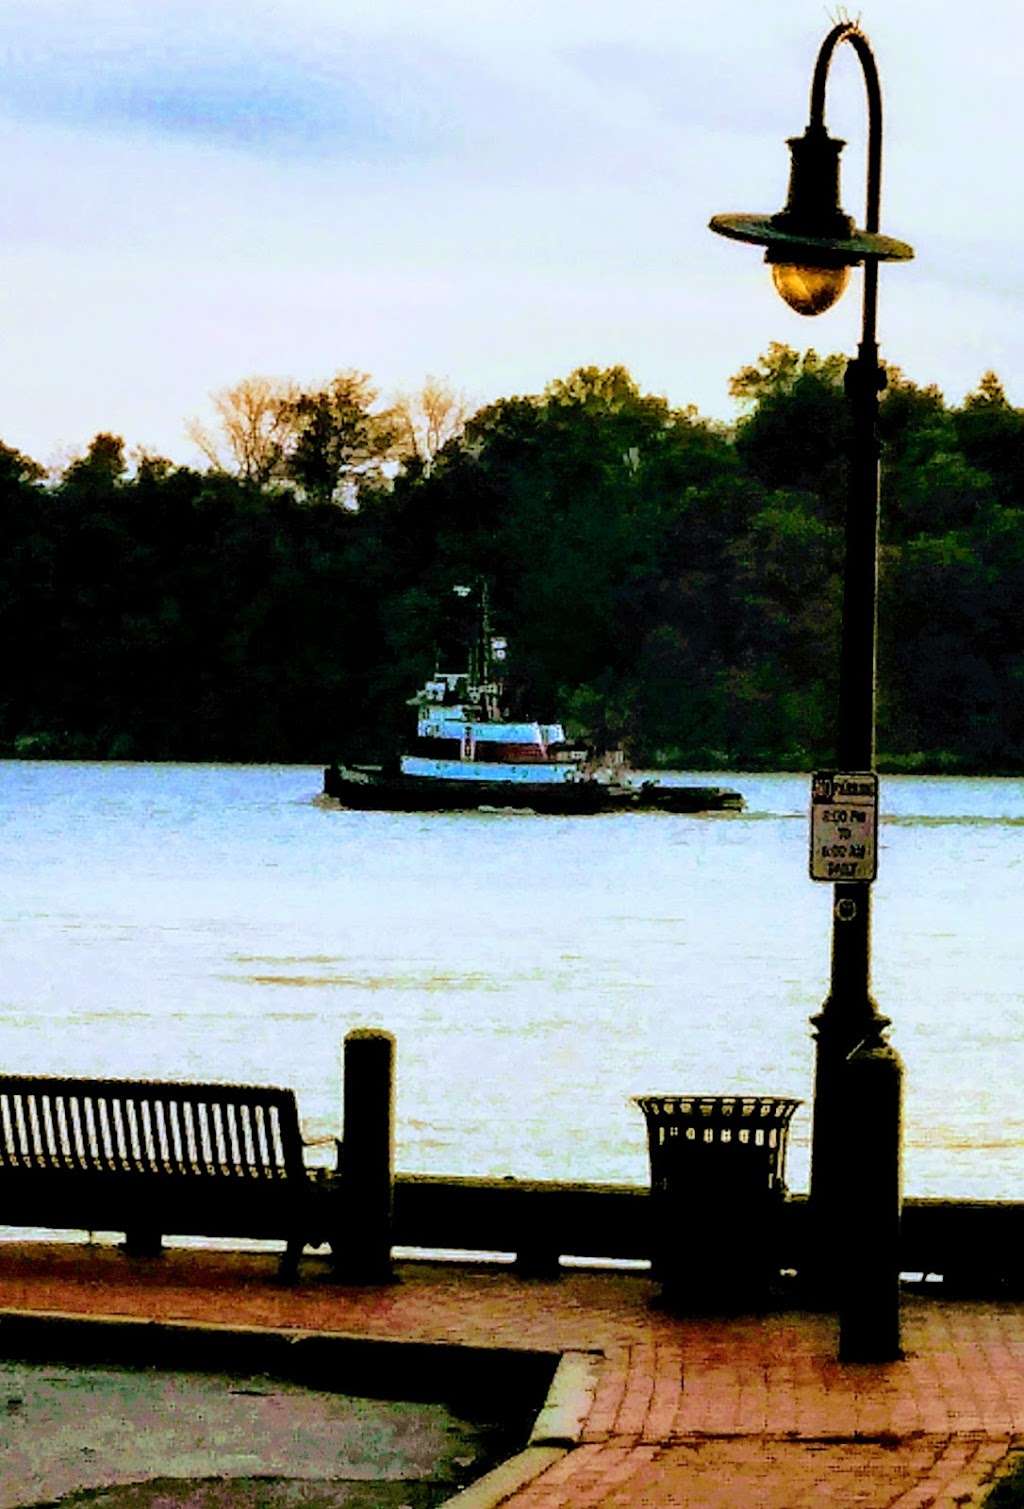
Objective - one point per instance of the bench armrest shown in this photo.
(335, 1142)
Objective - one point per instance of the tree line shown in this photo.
(665, 581)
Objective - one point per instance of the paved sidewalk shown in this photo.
(747, 1413)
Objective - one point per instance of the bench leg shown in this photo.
(537, 1261)
(288, 1270)
(142, 1242)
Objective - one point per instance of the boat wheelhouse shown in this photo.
(462, 736)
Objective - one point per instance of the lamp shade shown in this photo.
(811, 243)
(786, 246)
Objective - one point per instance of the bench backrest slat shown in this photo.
(12, 1131)
(260, 1139)
(126, 1126)
(79, 1145)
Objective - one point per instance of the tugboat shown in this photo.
(467, 754)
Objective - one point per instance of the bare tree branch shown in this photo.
(427, 419)
(256, 424)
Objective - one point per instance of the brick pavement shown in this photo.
(741, 1413)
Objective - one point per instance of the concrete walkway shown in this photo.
(741, 1413)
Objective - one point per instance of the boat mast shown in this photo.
(491, 649)
(481, 688)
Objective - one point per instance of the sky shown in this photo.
(491, 193)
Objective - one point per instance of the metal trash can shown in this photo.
(717, 1186)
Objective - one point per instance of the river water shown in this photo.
(223, 922)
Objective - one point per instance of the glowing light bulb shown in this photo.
(809, 290)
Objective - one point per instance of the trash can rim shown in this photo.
(775, 1106)
(734, 1095)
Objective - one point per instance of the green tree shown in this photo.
(662, 579)
(26, 576)
(100, 469)
(565, 501)
(340, 443)
(916, 431)
(990, 433)
(17, 471)
(795, 428)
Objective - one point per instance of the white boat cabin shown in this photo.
(461, 735)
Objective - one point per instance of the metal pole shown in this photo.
(850, 1015)
(850, 1020)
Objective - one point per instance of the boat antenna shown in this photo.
(485, 634)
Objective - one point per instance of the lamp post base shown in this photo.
(868, 1227)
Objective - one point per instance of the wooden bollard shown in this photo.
(869, 1223)
(367, 1157)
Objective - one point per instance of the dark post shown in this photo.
(857, 1138)
(850, 1015)
(811, 245)
(869, 1261)
(367, 1160)
(850, 1022)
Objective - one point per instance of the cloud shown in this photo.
(219, 78)
(377, 80)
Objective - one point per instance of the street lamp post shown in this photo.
(811, 245)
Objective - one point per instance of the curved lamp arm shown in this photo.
(848, 31)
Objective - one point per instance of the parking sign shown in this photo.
(844, 825)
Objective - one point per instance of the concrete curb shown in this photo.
(497, 1486)
(353, 1362)
(570, 1397)
(556, 1430)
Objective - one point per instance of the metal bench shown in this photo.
(150, 1159)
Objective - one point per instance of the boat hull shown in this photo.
(409, 793)
(651, 797)
(371, 790)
